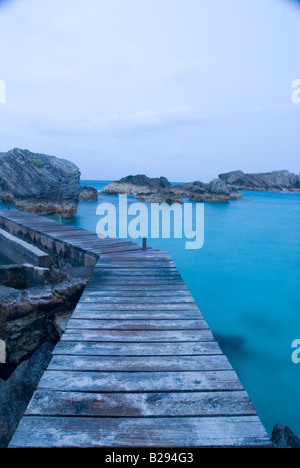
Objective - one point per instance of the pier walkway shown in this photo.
(137, 365)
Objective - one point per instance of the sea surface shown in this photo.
(246, 282)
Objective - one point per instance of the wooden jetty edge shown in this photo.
(137, 365)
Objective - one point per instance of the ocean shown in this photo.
(246, 282)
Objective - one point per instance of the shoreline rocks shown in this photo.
(39, 183)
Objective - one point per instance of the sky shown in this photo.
(186, 89)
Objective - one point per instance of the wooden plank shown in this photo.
(185, 404)
(146, 294)
(146, 324)
(137, 300)
(113, 249)
(158, 289)
(91, 312)
(139, 363)
(156, 272)
(140, 381)
(134, 281)
(133, 263)
(235, 431)
(138, 336)
(136, 306)
(137, 349)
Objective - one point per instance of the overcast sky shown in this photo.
(181, 88)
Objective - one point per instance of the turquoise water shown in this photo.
(246, 282)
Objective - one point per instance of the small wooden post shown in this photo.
(144, 243)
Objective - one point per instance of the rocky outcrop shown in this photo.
(16, 392)
(31, 301)
(221, 190)
(283, 437)
(39, 183)
(137, 185)
(269, 181)
(88, 194)
(216, 191)
(161, 191)
(144, 188)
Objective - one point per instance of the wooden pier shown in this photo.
(137, 365)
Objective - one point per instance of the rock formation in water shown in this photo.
(39, 183)
(216, 191)
(283, 437)
(88, 194)
(144, 188)
(137, 185)
(268, 181)
(160, 190)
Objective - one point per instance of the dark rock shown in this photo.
(218, 187)
(17, 391)
(270, 181)
(215, 191)
(88, 194)
(161, 191)
(137, 185)
(39, 183)
(188, 189)
(283, 437)
(161, 196)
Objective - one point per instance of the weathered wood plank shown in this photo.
(138, 336)
(170, 295)
(153, 288)
(140, 381)
(135, 314)
(145, 272)
(161, 289)
(125, 324)
(134, 281)
(139, 363)
(151, 307)
(237, 431)
(55, 403)
(137, 349)
(93, 296)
